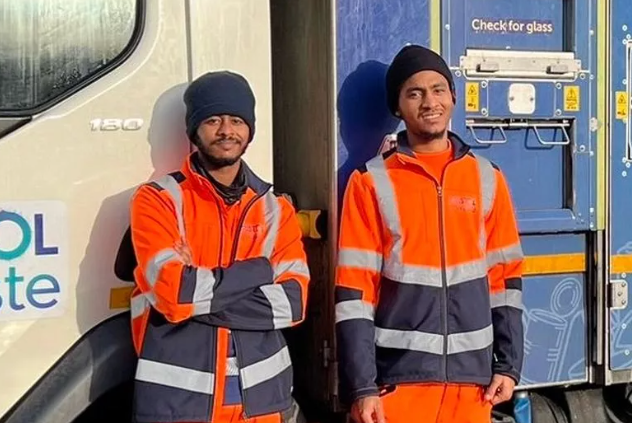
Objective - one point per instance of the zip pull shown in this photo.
(439, 190)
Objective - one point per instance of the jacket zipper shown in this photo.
(444, 275)
(444, 283)
(233, 255)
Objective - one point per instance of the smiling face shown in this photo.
(425, 105)
(222, 140)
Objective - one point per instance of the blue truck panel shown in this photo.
(368, 34)
(538, 155)
(621, 180)
(555, 316)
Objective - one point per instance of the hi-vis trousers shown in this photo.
(429, 403)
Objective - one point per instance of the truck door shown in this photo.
(620, 193)
(526, 87)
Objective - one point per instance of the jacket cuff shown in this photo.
(371, 391)
(507, 371)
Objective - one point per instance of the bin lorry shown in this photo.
(91, 107)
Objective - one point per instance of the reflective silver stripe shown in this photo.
(273, 222)
(433, 343)
(203, 293)
(362, 259)
(509, 298)
(157, 262)
(232, 369)
(431, 276)
(388, 209)
(409, 340)
(354, 309)
(487, 181)
(169, 184)
(504, 255)
(470, 341)
(298, 267)
(175, 376)
(281, 307)
(266, 369)
(138, 305)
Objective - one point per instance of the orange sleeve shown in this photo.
(505, 261)
(282, 302)
(357, 287)
(155, 232)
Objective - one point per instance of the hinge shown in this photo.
(327, 352)
(618, 294)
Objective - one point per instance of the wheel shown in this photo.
(545, 410)
(586, 406)
(618, 403)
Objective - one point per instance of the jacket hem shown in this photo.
(273, 409)
(396, 380)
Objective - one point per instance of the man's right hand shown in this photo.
(368, 410)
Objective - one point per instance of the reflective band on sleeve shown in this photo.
(175, 376)
(431, 343)
(273, 222)
(470, 341)
(203, 293)
(298, 267)
(504, 255)
(281, 307)
(266, 369)
(232, 369)
(508, 298)
(361, 259)
(169, 184)
(138, 305)
(155, 265)
(354, 309)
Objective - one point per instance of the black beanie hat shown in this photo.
(410, 60)
(219, 93)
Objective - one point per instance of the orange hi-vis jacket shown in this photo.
(429, 276)
(212, 327)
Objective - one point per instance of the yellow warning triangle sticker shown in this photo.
(472, 90)
(572, 95)
(622, 99)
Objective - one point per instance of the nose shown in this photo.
(226, 128)
(428, 101)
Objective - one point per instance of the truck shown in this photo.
(91, 107)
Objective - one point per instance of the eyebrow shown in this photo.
(433, 86)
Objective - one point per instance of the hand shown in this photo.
(184, 251)
(500, 390)
(368, 410)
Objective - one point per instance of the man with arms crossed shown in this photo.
(221, 269)
(428, 288)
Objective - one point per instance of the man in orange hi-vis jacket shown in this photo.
(429, 288)
(221, 269)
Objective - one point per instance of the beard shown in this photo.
(428, 136)
(215, 162)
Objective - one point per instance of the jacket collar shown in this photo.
(253, 181)
(458, 145)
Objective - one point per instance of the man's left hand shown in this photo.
(500, 390)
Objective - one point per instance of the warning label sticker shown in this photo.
(571, 98)
(622, 105)
(471, 97)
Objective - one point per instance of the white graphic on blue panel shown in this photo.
(552, 330)
(621, 339)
